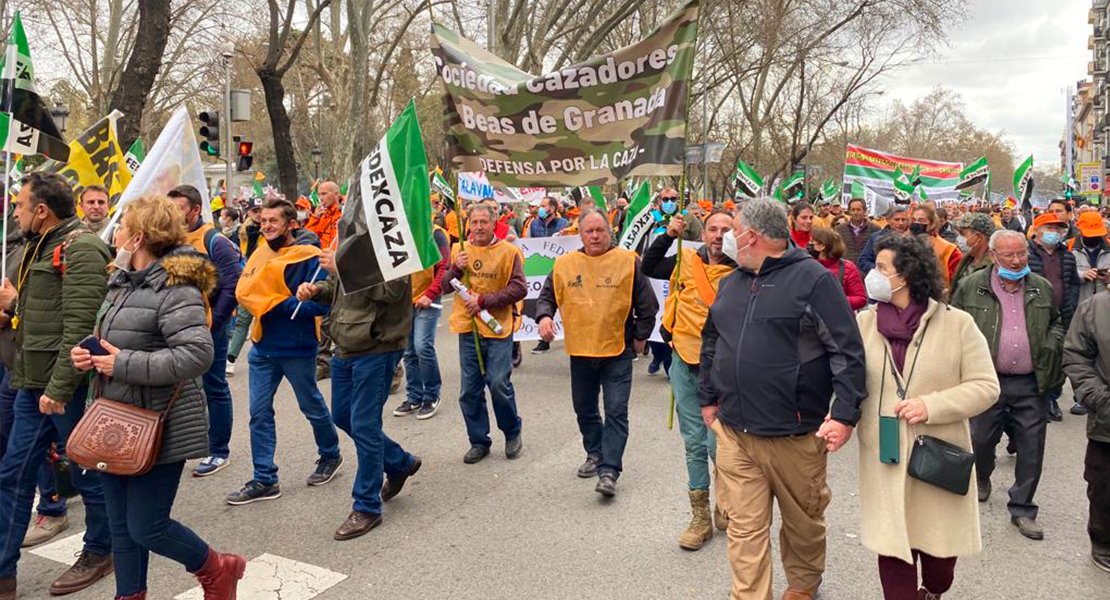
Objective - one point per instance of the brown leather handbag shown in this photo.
(118, 438)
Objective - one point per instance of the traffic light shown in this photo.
(210, 132)
(245, 158)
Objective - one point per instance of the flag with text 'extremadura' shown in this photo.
(386, 229)
(876, 171)
(613, 116)
(26, 126)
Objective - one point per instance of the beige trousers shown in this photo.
(751, 472)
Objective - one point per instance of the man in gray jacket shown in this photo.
(1087, 364)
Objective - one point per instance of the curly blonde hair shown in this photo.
(158, 219)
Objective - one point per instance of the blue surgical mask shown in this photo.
(1050, 238)
(1011, 275)
(669, 206)
(542, 212)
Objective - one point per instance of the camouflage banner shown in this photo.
(614, 116)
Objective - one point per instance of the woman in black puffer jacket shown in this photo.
(154, 326)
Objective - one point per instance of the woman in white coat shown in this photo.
(941, 360)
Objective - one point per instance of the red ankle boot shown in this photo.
(220, 575)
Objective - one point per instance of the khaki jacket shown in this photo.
(955, 378)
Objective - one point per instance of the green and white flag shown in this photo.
(794, 185)
(592, 191)
(746, 181)
(15, 177)
(386, 232)
(1023, 183)
(439, 182)
(976, 172)
(26, 126)
(135, 155)
(830, 191)
(639, 219)
(903, 188)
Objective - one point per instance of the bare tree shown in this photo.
(130, 97)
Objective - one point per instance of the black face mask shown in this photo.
(277, 243)
(917, 228)
(1092, 242)
(814, 253)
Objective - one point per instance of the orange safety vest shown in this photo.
(695, 288)
(943, 249)
(594, 294)
(490, 269)
(262, 285)
(196, 238)
(422, 280)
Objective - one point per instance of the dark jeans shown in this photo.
(50, 504)
(422, 378)
(589, 377)
(266, 374)
(359, 389)
(139, 514)
(497, 355)
(1029, 419)
(1097, 475)
(31, 435)
(899, 578)
(219, 397)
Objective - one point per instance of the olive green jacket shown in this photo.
(377, 319)
(56, 311)
(1042, 321)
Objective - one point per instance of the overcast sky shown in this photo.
(1011, 63)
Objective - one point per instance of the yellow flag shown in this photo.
(95, 158)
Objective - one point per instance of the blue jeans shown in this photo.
(498, 357)
(421, 365)
(139, 515)
(266, 374)
(589, 377)
(219, 397)
(699, 440)
(359, 389)
(50, 505)
(32, 433)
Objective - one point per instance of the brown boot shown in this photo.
(220, 575)
(796, 594)
(88, 569)
(7, 588)
(700, 529)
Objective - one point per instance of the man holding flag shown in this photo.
(206, 239)
(284, 348)
(608, 309)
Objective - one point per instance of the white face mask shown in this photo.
(878, 286)
(729, 248)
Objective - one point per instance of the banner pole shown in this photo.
(676, 274)
(315, 274)
(466, 274)
(7, 208)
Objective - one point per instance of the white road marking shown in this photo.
(62, 549)
(271, 577)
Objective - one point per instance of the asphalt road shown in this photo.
(531, 529)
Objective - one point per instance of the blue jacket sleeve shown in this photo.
(295, 275)
(867, 255)
(227, 258)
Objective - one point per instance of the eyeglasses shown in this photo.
(1013, 256)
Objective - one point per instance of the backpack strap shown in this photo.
(59, 261)
(209, 237)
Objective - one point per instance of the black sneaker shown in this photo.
(406, 408)
(541, 348)
(606, 484)
(254, 492)
(518, 355)
(514, 447)
(475, 454)
(326, 469)
(1078, 409)
(427, 410)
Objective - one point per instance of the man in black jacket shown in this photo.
(1049, 258)
(779, 342)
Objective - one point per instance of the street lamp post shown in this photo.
(60, 113)
(316, 154)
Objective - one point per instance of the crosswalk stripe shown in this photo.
(271, 577)
(62, 549)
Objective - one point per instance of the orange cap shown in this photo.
(1048, 218)
(1090, 224)
(304, 203)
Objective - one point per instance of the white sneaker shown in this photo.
(230, 370)
(43, 529)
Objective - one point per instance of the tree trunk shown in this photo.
(274, 91)
(142, 68)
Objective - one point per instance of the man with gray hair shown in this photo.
(779, 342)
(1013, 308)
(493, 270)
